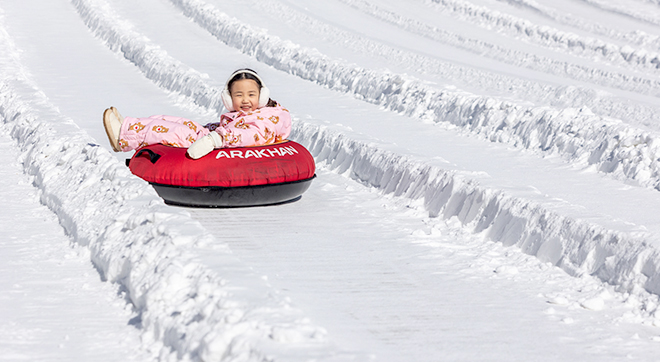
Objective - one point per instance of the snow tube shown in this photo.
(226, 177)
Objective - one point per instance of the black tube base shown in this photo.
(225, 197)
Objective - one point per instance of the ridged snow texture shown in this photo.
(492, 82)
(545, 36)
(561, 40)
(184, 310)
(577, 135)
(577, 247)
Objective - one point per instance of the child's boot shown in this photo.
(112, 121)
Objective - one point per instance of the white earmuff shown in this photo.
(226, 100)
(264, 96)
(264, 92)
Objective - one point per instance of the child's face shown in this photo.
(245, 95)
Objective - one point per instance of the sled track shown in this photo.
(182, 309)
(490, 81)
(575, 246)
(563, 41)
(614, 147)
(203, 303)
(566, 42)
(640, 16)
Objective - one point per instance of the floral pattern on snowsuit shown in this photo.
(263, 126)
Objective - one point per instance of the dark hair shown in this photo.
(243, 75)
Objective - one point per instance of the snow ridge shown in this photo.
(577, 135)
(502, 84)
(637, 15)
(560, 40)
(577, 46)
(578, 247)
(151, 60)
(184, 311)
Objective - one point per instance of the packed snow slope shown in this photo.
(499, 159)
(47, 283)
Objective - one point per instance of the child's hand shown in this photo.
(204, 145)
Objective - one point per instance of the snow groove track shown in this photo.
(561, 40)
(184, 311)
(578, 247)
(615, 148)
(152, 61)
(561, 96)
(615, 8)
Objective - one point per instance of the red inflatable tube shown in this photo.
(227, 177)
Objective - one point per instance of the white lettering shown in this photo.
(251, 153)
(262, 153)
(292, 150)
(274, 150)
(266, 152)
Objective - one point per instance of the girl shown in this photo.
(253, 120)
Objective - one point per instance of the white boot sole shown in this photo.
(107, 123)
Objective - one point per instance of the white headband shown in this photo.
(264, 93)
(242, 71)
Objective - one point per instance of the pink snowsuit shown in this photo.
(263, 126)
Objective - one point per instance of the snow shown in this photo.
(54, 307)
(488, 182)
